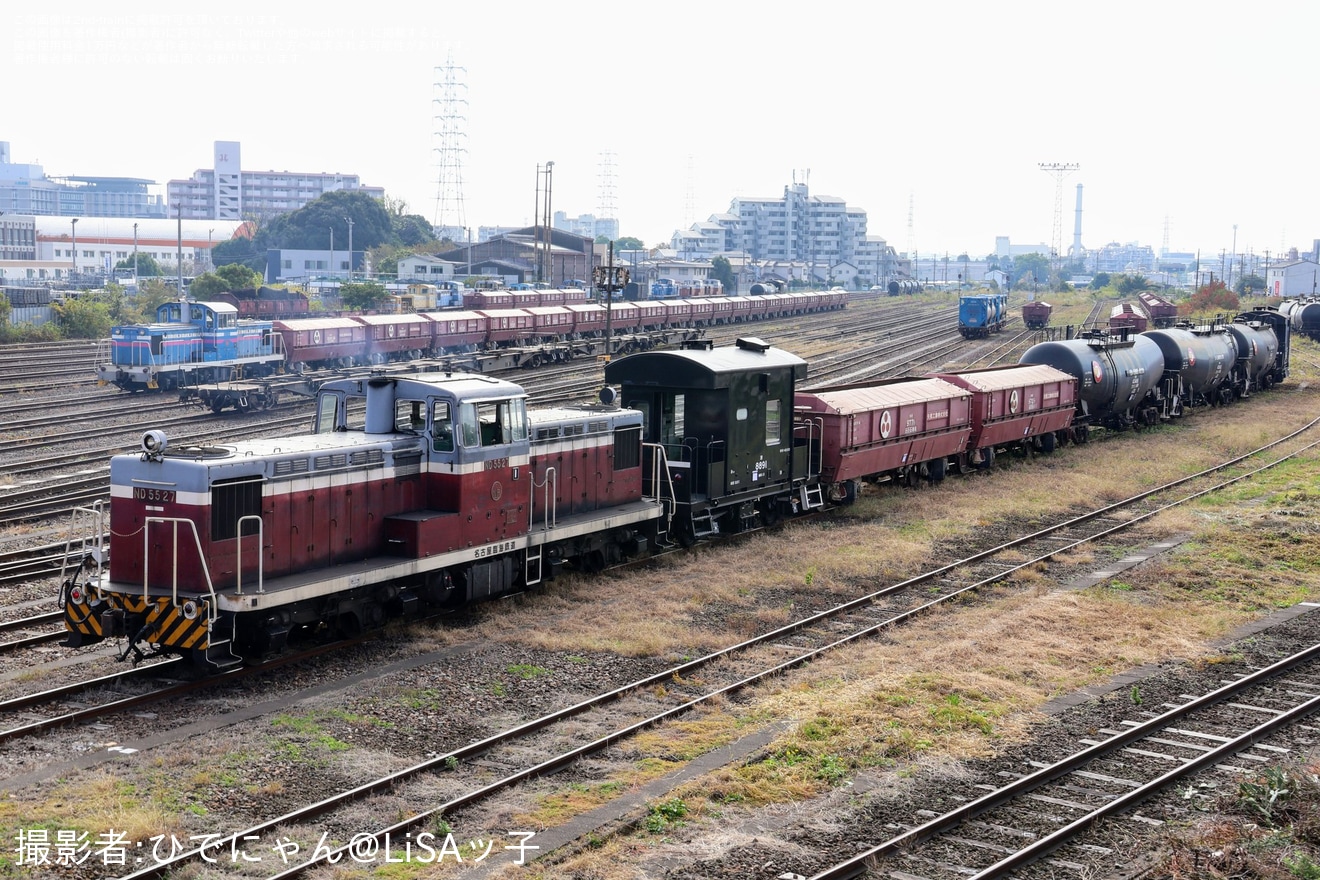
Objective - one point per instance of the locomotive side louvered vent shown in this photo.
(288, 466)
(367, 456)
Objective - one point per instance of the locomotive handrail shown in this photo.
(97, 512)
(261, 560)
(174, 577)
(660, 465)
(551, 509)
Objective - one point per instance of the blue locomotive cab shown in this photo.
(189, 342)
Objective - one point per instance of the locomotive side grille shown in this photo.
(230, 502)
(338, 460)
(289, 466)
(627, 447)
(366, 456)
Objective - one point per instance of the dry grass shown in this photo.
(96, 804)
(963, 683)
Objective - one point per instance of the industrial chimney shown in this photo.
(1076, 250)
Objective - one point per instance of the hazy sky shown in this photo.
(1198, 115)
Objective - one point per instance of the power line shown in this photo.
(1060, 170)
(451, 135)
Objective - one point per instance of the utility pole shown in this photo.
(350, 248)
(609, 279)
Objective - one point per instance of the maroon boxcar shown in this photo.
(458, 331)
(488, 299)
(1161, 312)
(551, 322)
(703, 311)
(892, 429)
(679, 312)
(624, 317)
(1127, 317)
(551, 297)
(722, 309)
(756, 308)
(523, 299)
(588, 318)
(740, 306)
(396, 337)
(1017, 406)
(318, 342)
(652, 314)
(1036, 314)
(508, 326)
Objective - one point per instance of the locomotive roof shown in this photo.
(701, 368)
(420, 384)
(870, 398)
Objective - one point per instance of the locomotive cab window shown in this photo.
(772, 432)
(442, 427)
(327, 414)
(493, 423)
(409, 416)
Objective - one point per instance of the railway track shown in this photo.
(535, 747)
(1046, 814)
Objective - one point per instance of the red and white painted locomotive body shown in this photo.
(421, 489)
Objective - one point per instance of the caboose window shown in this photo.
(672, 419)
(230, 502)
(772, 423)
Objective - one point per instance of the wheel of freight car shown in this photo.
(1047, 442)
(988, 458)
(1081, 433)
(937, 469)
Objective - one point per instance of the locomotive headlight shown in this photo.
(154, 442)
(190, 610)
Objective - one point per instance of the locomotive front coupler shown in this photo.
(138, 655)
